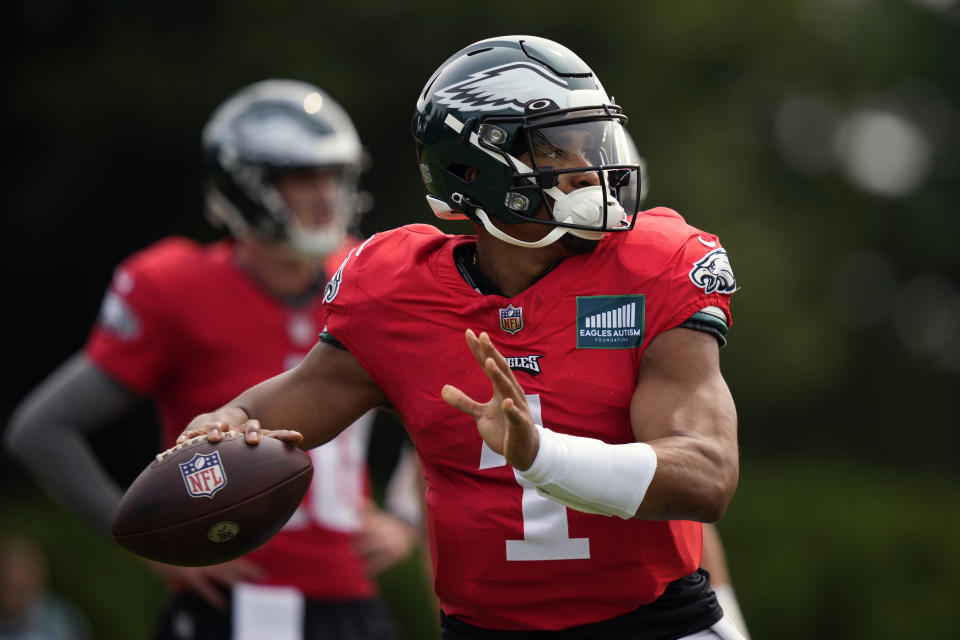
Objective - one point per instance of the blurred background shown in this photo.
(818, 138)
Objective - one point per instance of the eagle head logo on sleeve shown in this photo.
(713, 273)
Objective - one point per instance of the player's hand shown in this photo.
(215, 424)
(504, 421)
(208, 582)
(384, 539)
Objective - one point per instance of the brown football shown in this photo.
(203, 503)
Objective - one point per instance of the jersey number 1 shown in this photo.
(546, 534)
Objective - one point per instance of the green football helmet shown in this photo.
(507, 121)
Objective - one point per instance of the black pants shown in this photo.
(688, 605)
(189, 617)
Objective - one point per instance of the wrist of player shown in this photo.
(522, 447)
(590, 475)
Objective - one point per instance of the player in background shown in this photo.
(190, 325)
(571, 500)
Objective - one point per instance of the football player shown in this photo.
(190, 325)
(572, 448)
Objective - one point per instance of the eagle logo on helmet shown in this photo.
(509, 86)
(713, 273)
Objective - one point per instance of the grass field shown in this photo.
(823, 549)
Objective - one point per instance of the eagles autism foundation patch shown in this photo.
(610, 322)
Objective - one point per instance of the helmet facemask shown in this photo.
(574, 164)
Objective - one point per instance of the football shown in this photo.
(202, 503)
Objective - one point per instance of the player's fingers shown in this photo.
(213, 431)
(230, 573)
(524, 441)
(251, 431)
(208, 591)
(374, 558)
(459, 400)
(520, 425)
(284, 435)
(473, 343)
(514, 415)
(492, 352)
(503, 386)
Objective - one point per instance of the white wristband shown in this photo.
(590, 475)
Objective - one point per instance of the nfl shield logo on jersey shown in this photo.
(203, 475)
(511, 319)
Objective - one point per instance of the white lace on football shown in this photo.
(193, 442)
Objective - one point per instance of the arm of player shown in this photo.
(683, 409)
(307, 405)
(47, 433)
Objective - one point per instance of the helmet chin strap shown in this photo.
(580, 206)
(551, 237)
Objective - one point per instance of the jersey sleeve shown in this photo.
(132, 339)
(712, 320)
(366, 300)
(343, 297)
(701, 283)
(351, 301)
(694, 279)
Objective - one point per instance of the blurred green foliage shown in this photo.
(844, 356)
(831, 548)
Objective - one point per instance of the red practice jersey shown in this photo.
(182, 324)
(504, 556)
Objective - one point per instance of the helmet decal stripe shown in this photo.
(509, 86)
(457, 126)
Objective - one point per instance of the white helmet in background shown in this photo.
(268, 128)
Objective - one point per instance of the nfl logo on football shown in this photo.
(203, 475)
(511, 319)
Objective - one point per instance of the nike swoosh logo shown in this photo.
(707, 243)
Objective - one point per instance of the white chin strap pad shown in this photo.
(315, 243)
(585, 206)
